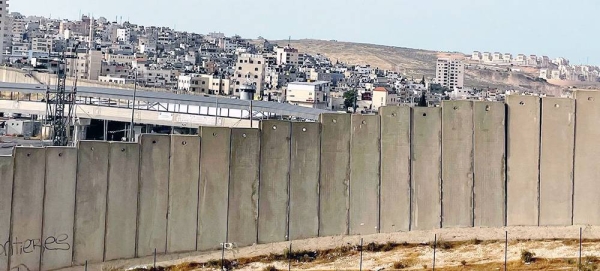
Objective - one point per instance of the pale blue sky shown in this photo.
(543, 27)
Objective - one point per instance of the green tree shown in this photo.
(423, 81)
(350, 98)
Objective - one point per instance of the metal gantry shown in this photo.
(60, 103)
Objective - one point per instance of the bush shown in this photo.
(270, 268)
(442, 244)
(527, 256)
(463, 262)
(400, 265)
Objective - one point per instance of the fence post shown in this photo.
(505, 250)
(580, 247)
(361, 253)
(154, 259)
(434, 249)
(85, 268)
(223, 256)
(290, 258)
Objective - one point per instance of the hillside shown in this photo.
(417, 63)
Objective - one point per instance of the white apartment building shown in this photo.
(124, 35)
(87, 65)
(309, 94)
(476, 56)
(3, 27)
(384, 97)
(450, 73)
(249, 69)
(41, 45)
(288, 56)
(120, 59)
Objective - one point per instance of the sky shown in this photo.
(555, 28)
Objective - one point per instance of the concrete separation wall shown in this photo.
(457, 161)
(243, 187)
(6, 184)
(523, 160)
(489, 164)
(459, 165)
(586, 204)
(335, 174)
(426, 168)
(90, 202)
(183, 193)
(214, 187)
(364, 174)
(59, 207)
(274, 181)
(304, 180)
(122, 200)
(556, 161)
(395, 169)
(27, 208)
(153, 199)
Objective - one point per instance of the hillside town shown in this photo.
(161, 58)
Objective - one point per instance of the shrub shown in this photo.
(400, 265)
(527, 256)
(270, 268)
(463, 262)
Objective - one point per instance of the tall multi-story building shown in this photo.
(3, 26)
(450, 73)
(249, 69)
(288, 56)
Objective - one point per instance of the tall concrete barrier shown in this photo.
(153, 194)
(489, 122)
(556, 161)
(523, 160)
(304, 180)
(27, 208)
(426, 168)
(122, 200)
(586, 205)
(90, 202)
(395, 169)
(59, 207)
(243, 187)
(334, 177)
(364, 174)
(457, 164)
(183, 193)
(214, 187)
(273, 197)
(6, 184)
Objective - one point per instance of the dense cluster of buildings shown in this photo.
(123, 53)
(557, 69)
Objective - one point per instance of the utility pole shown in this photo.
(131, 125)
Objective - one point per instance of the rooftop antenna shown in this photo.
(289, 41)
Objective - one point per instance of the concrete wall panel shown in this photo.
(27, 208)
(523, 160)
(586, 207)
(457, 164)
(274, 181)
(395, 169)
(214, 185)
(490, 163)
(6, 184)
(364, 174)
(335, 174)
(243, 186)
(121, 212)
(556, 161)
(304, 180)
(426, 168)
(59, 207)
(183, 193)
(153, 195)
(90, 202)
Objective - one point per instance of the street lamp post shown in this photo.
(131, 125)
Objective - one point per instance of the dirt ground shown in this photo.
(555, 248)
